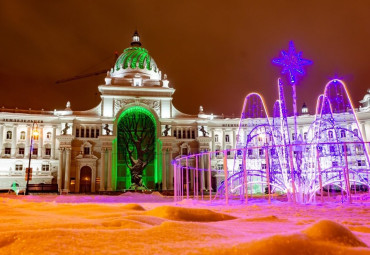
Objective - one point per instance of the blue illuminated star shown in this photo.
(292, 63)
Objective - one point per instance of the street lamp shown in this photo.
(34, 136)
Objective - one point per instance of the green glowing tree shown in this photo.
(137, 137)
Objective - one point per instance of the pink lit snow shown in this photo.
(152, 224)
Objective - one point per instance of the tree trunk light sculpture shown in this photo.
(137, 135)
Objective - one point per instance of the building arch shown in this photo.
(152, 175)
(85, 180)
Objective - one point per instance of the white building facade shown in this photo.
(78, 150)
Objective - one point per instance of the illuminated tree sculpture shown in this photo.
(137, 137)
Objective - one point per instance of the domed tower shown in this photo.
(135, 79)
(135, 67)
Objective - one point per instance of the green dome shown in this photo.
(135, 57)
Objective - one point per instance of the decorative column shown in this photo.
(213, 141)
(14, 141)
(171, 174)
(60, 168)
(106, 172)
(109, 181)
(202, 185)
(167, 168)
(102, 170)
(1, 136)
(164, 169)
(28, 140)
(205, 143)
(65, 144)
(40, 147)
(67, 169)
(53, 144)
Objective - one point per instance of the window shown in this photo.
(227, 138)
(361, 163)
(188, 134)
(9, 135)
(87, 150)
(342, 133)
(45, 168)
(218, 148)
(82, 132)
(228, 152)
(216, 138)
(334, 163)
(359, 149)
(47, 151)
(179, 134)
(21, 151)
(92, 133)
(330, 134)
(7, 151)
(34, 151)
(272, 151)
(332, 149)
(293, 136)
(23, 135)
(97, 133)
(261, 152)
(48, 135)
(250, 152)
(355, 131)
(77, 132)
(87, 132)
(305, 136)
(18, 167)
(193, 134)
(263, 166)
(175, 133)
(36, 137)
(184, 151)
(183, 134)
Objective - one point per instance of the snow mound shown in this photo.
(188, 214)
(266, 218)
(123, 223)
(149, 220)
(142, 197)
(135, 207)
(326, 230)
(291, 244)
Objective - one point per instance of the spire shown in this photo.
(136, 40)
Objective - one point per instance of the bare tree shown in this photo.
(137, 136)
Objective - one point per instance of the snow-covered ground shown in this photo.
(152, 224)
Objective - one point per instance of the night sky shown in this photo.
(214, 52)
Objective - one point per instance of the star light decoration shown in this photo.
(292, 63)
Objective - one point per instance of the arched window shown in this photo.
(9, 135)
(87, 150)
(216, 138)
(48, 135)
(330, 134)
(227, 138)
(342, 133)
(23, 135)
(355, 131)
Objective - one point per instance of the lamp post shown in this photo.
(34, 135)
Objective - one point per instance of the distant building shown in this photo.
(80, 150)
